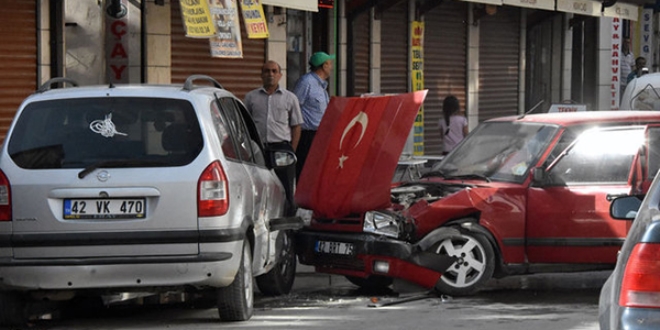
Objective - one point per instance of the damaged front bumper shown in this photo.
(363, 255)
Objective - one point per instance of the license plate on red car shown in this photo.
(334, 248)
(128, 208)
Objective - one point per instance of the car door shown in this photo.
(266, 191)
(568, 218)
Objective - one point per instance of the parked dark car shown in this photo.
(630, 298)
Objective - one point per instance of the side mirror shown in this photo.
(625, 207)
(538, 175)
(283, 158)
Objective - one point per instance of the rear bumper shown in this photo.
(122, 273)
(404, 260)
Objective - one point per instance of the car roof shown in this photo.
(135, 90)
(584, 117)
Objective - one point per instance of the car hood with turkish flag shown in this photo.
(355, 152)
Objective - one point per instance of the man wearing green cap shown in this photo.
(313, 97)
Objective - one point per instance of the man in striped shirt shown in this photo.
(311, 90)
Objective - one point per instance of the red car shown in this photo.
(519, 195)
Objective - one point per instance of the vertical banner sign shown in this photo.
(116, 42)
(646, 33)
(615, 86)
(417, 69)
(227, 39)
(254, 19)
(197, 18)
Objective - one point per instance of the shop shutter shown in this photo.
(445, 65)
(361, 53)
(499, 52)
(18, 58)
(193, 56)
(394, 49)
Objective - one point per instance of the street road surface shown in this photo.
(537, 302)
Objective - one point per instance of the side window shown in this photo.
(242, 146)
(653, 152)
(599, 157)
(223, 131)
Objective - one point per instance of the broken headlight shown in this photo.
(381, 223)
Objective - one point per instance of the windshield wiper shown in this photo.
(469, 176)
(118, 163)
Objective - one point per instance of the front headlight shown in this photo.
(381, 223)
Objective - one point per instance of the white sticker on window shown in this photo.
(105, 127)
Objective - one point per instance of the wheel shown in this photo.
(13, 309)
(279, 280)
(236, 301)
(475, 264)
(373, 282)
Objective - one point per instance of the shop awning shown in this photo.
(623, 10)
(535, 4)
(306, 5)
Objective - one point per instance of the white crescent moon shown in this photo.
(360, 118)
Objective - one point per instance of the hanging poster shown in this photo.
(417, 70)
(254, 19)
(227, 40)
(197, 18)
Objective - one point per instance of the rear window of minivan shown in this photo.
(119, 132)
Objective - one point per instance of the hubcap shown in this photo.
(471, 263)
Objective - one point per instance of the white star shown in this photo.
(341, 161)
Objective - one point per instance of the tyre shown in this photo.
(279, 280)
(13, 309)
(236, 301)
(475, 264)
(373, 282)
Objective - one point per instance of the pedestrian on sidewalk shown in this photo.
(453, 124)
(276, 113)
(640, 69)
(312, 93)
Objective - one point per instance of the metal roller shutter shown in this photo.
(192, 56)
(18, 59)
(499, 56)
(445, 65)
(394, 49)
(361, 53)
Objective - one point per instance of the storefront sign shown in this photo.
(615, 86)
(116, 45)
(254, 19)
(536, 4)
(227, 39)
(197, 18)
(646, 33)
(622, 11)
(562, 107)
(417, 70)
(307, 5)
(582, 7)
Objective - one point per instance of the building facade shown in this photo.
(499, 57)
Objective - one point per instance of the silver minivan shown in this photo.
(140, 188)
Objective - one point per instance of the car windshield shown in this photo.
(106, 132)
(648, 98)
(501, 151)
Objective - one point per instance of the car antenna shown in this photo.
(532, 109)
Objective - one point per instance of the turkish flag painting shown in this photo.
(355, 152)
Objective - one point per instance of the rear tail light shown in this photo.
(5, 198)
(212, 191)
(641, 280)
